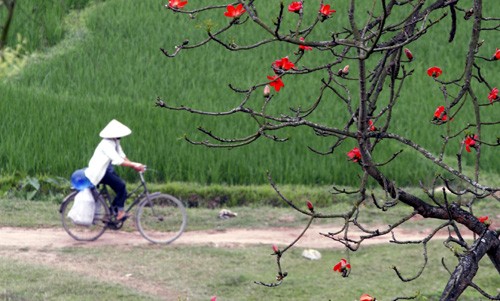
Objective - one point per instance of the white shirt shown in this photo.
(108, 151)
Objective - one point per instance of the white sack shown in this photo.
(82, 212)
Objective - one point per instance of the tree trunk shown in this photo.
(10, 4)
(469, 264)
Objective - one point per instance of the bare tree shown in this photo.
(379, 51)
(9, 5)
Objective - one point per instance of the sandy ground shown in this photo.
(58, 238)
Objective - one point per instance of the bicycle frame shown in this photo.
(138, 198)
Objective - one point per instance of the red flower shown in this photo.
(496, 55)
(304, 47)
(371, 126)
(408, 54)
(295, 7)
(434, 71)
(275, 249)
(470, 142)
(234, 12)
(310, 206)
(483, 219)
(283, 64)
(326, 11)
(342, 267)
(176, 3)
(214, 298)
(354, 155)
(440, 114)
(493, 95)
(366, 297)
(276, 82)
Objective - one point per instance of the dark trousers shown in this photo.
(112, 179)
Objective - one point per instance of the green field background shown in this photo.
(92, 61)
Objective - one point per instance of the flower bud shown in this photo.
(366, 297)
(371, 126)
(267, 91)
(408, 54)
(469, 14)
(344, 71)
(275, 249)
(310, 206)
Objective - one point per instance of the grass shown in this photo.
(35, 214)
(27, 281)
(181, 273)
(42, 23)
(259, 206)
(197, 273)
(104, 62)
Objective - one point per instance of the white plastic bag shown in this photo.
(82, 212)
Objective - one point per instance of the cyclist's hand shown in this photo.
(139, 167)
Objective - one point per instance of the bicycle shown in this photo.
(160, 218)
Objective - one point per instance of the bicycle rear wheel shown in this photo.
(161, 218)
(80, 232)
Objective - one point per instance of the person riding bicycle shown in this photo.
(108, 153)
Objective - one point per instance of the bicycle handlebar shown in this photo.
(145, 168)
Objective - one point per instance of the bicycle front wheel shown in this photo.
(161, 218)
(80, 232)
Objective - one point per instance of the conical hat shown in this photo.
(115, 129)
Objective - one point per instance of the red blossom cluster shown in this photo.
(434, 71)
(496, 55)
(295, 7)
(177, 4)
(234, 12)
(470, 141)
(276, 82)
(343, 267)
(354, 155)
(366, 297)
(483, 219)
(440, 114)
(304, 47)
(493, 95)
(279, 66)
(325, 11)
(283, 64)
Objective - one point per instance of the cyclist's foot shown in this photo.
(122, 215)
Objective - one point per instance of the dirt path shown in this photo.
(58, 238)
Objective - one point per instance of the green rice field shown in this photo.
(91, 61)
